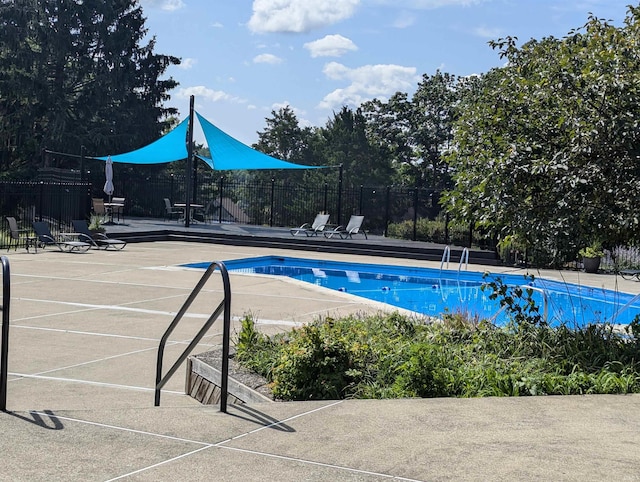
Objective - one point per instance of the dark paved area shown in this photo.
(145, 229)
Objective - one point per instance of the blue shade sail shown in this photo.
(228, 153)
(170, 147)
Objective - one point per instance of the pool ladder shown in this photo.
(464, 258)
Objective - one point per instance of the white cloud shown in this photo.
(330, 46)
(299, 15)
(169, 5)
(404, 20)
(367, 82)
(187, 63)
(485, 32)
(200, 91)
(428, 4)
(217, 25)
(267, 59)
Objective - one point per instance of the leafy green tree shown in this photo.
(547, 147)
(417, 133)
(284, 139)
(74, 73)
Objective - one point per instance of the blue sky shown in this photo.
(242, 59)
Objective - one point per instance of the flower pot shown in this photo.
(591, 265)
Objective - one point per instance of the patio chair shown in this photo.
(118, 210)
(170, 210)
(98, 206)
(354, 226)
(45, 238)
(97, 240)
(313, 229)
(20, 236)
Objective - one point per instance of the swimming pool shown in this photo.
(432, 292)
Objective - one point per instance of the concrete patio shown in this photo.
(83, 341)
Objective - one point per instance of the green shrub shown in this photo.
(392, 356)
(434, 231)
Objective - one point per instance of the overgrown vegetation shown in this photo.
(393, 356)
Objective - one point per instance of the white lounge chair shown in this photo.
(314, 228)
(354, 226)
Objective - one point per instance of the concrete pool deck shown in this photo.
(83, 341)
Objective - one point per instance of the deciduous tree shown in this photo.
(546, 148)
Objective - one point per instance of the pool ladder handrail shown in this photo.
(446, 255)
(464, 258)
(225, 305)
(613, 317)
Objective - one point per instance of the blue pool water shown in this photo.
(433, 292)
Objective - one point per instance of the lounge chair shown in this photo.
(630, 274)
(353, 227)
(97, 240)
(20, 236)
(314, 228)
(171, 210)
(45, 238)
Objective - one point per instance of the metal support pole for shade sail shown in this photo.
(189, 168)
(340, 193)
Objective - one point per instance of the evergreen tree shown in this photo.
(74, 73)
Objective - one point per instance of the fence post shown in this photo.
(446, 228)
(273, 188)
(41, 195)
(415, 214)
(326, 195)
(386, 211)
(82, 149)
(470, 233)
(171, 190)
(220, 201)
(360, 203)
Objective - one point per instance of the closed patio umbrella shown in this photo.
(108, 174)
(108, 185)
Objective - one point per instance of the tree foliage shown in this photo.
(547, 146)
(417, 132)
(75, 73)
(344, 141)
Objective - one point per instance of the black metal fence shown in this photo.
(59, 196)
(55, 202)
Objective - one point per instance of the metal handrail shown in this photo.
(545, 300)
(225, 305)
(464, 258)
(4, 341)
(446, 255)
(612, 318)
